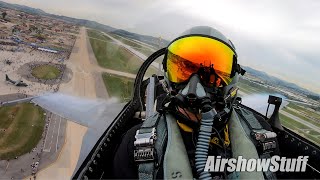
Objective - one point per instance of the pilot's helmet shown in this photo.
(201, 47)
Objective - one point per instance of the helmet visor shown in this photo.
(186, 56)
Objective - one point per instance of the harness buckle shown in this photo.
(266, 146)
(265, 139)
(144, 145)
(264, 136)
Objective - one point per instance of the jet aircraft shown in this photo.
(107, 126)
(16, 83)
(99, 162)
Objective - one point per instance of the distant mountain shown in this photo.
(84, 22)
(276, 81)
(87, 23)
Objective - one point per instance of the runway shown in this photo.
(82, 84)
(53, 133)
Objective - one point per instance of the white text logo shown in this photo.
(275, 163)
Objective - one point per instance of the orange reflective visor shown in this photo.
(186, 55)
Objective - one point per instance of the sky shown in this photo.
(280, 38)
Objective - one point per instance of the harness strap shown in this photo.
(176, 162)
(262, 138)
(144, 147)
(268, 174)
(249, 118)
(150, 140)
(242, 145)
(150, 122)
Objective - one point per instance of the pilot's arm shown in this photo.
(124, 166)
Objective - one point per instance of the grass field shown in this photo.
(141, 48)
(46, 72)
(96, 34)
(293, 122)
(305, 110)
(23, 125)
(301, 116)
(113, 56)
(300, 129)
(254, 88)
(247, 89)
(119, 87)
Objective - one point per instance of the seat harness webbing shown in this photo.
(158, 140)
(149, 138)
(262, 138)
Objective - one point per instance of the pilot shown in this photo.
(201, 73)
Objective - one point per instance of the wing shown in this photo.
(17, 82)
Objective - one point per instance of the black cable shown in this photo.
(141, 72)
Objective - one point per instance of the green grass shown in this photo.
(299, 128)
(301, 116)
(305, 110)
(24, 124)
(143, 49)
(245, 88)
(119, 87)
(98, 35)
(107, 38)
(255, 88)
(113, 56)
(137, 46)
(314, 133)
(6, 116)
(46, 72)
(125, 41)
(293, 122)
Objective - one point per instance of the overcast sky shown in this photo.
(281, 38)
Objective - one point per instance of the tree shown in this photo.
(4, 14)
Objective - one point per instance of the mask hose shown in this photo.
(202, 146)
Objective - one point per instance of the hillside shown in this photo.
(276, 81)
